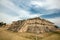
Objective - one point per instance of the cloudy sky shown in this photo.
(12, 10)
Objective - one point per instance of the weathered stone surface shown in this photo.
(33, 25)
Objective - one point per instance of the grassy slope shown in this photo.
(54, 36)
(6, 35)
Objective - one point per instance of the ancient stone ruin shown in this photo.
(33, 25)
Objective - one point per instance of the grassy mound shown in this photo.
(8, 35)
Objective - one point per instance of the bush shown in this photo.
(1, 24)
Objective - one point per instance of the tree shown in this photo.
(1, 24)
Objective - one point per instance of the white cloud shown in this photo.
(6, 18)
(15, 8)
(9, 5)
(55, 20)
(23, 14)
(48, 4)
(37, 3)
(53, 4)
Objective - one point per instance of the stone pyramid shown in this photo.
(33, 25)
